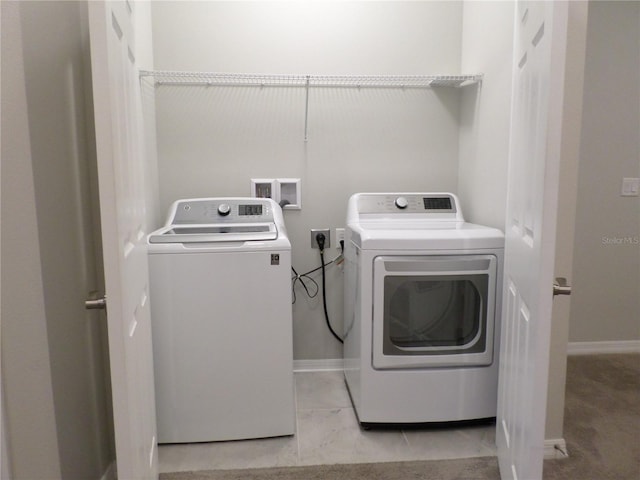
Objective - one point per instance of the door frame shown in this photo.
(567, 201)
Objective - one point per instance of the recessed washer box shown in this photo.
(285, 191)
(289, 189)
(263, 188)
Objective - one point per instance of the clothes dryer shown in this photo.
(422, 310)
(220, 291)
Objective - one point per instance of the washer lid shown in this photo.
(215, 233)
(221, 219)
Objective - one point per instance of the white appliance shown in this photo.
(422, 310)
(220, 290)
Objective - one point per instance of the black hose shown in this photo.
(321, 239)
(324, 301)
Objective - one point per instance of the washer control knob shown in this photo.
(401, 203)
(224, 209)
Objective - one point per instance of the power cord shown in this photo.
(320, 238)
(309, 285)
(311, 289)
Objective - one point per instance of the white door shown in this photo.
(530, 232)
(121, 177)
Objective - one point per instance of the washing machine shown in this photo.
(422, 310)
(220, 293)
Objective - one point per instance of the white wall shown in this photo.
(605, 302)
(144, 57)
(308, 37)
(212, 141)
(26, 377)
(487, 46)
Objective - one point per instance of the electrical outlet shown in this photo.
(327, 237)
(339, 236)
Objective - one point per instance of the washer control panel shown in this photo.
(440, 203)
(223, 210)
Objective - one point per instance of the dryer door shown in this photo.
(434, 310)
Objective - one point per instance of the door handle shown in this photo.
(560, 287)
(96, 301)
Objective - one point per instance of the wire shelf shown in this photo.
(211, 79)
(334, 81)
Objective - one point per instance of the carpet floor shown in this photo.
(602, 420)
(602, 431)
(462, 469)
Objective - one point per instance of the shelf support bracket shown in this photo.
(306, 108)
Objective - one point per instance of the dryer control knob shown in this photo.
(224, 209)
(401, 203)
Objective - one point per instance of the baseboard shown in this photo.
(110, 472)
(593, 348)
(322, 365)
(555, 448)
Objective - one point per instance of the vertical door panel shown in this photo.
(119, 137)
(540, 44)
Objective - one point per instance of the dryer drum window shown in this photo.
(437, 315)
(433, 310)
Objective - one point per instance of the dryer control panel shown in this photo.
(401, 203)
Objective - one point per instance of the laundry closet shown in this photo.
(355, 127)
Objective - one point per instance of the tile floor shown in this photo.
(327, 432)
